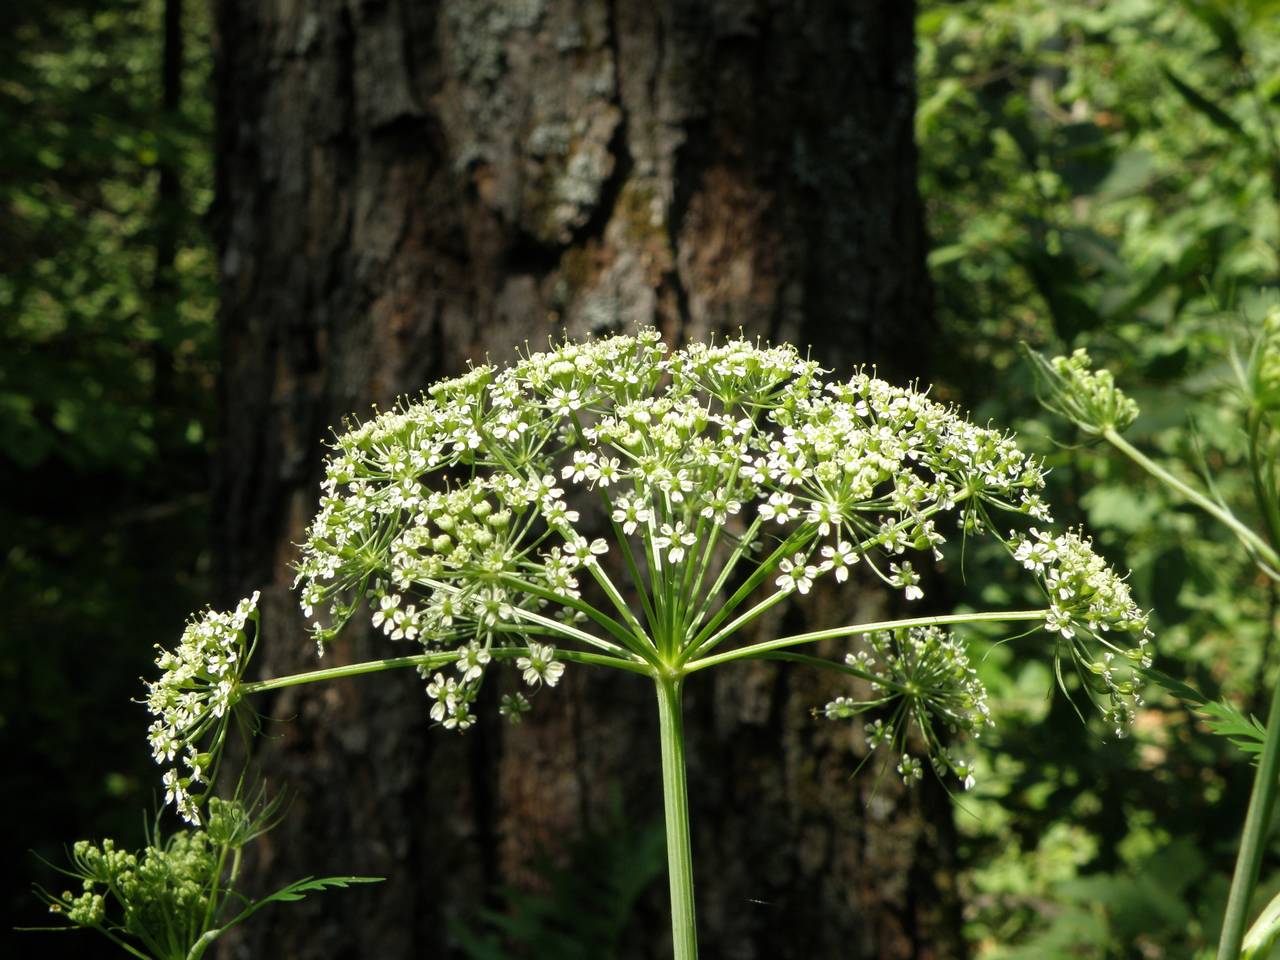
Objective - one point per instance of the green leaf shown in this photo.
(949, 254)
(297, 890)
(1175, 686)
(1223, 29)
(1224, 720)
(1198, 101)
(1132, 171)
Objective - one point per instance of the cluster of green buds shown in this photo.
(175, 897)
(1088, 398)
(1261, 375)
(153, 888)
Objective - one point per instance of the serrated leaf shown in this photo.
(1224, 720)
(1175, 686)
(297, 891)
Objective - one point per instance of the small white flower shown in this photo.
(386, 607)
(1059, 621)
(173, 789)
(780, 507)
(905, 576)
(513, 706)
(796, 574)
(910, 769)
(841, 557)
(472, 659)
(608, 473)
(674, 539)
(540, 666)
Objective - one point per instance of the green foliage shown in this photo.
(98, 329)
(1225, 720)
(1106, 174)
(175, 897)
(1098, 190)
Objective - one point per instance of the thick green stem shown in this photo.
(1253, 840)
(675, 802)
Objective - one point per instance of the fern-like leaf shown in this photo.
(1224, 720)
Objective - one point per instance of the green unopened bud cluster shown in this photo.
(157, 895)
(175, 897)
(1088, 398)
(1263, 376)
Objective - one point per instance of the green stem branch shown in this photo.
(711, 642)
(756, 649)
(1255, 543)
(427, 660)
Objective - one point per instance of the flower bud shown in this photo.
(1263, 377)
(1089, 399)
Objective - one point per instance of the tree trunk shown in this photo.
(404, 186)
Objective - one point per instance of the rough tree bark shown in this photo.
(404, 186)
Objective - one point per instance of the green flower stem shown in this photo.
(615, 597)
(641, 583)
(742, 620)
(1255, 543)
(739, 548)
(756, 649)
(563, 629)
(1262, 470)
(758, 576)
(126, 947)
(1263, 796)
(629, 641)
(838, 667)
(200, 946)
(675, 802)
(712, 538)
(428, 660)
(1253, 840)
(213, 902)
(350, 670)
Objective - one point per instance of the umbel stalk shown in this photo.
(675, 803)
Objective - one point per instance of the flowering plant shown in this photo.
(177, 896)
(614, 504)
(1091, 400)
